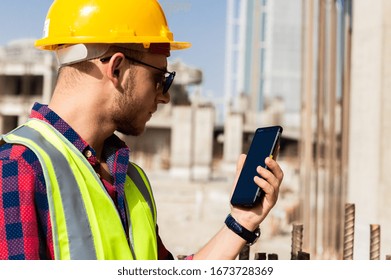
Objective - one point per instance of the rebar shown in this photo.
(303, 256)
(348, 241)
(260, 256)
(375, 242)
(245, 253)
(297, 240)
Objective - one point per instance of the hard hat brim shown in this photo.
(48, 44)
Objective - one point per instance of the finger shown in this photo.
(264, 185)
(277, 152)
(271, 193)
(275, 168)
(267, 176)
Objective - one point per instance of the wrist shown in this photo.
(247, 220)
(250, 236)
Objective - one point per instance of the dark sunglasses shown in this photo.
(168, 77)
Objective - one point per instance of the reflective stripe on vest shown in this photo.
(85, 222)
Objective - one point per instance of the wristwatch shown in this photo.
(250, 236)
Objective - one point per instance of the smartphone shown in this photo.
(264, 144)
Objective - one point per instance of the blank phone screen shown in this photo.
(262, 146)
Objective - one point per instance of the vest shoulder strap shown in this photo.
(137, 174)
(83, 247)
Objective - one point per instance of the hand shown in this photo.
(250, 218)
(226, 244)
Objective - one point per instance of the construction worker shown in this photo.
(68, 189)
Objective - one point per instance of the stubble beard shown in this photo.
(126, 111)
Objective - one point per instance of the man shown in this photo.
(68, 190)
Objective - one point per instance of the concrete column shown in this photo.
(49, 77)
(2, 124)
(203, 143)
(23, 117)
(181, 141)
(233, 140)
(370, 128)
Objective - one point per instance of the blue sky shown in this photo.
(201, 22)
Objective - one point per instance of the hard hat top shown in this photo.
(143, 22)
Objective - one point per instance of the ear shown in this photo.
(115, 68)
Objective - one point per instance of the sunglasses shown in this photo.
(164, 84)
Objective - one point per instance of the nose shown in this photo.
(164, 98)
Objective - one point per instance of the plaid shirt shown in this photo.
(25, 226)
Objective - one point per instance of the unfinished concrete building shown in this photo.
(26, 75)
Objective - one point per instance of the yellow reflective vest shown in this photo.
(85, 221)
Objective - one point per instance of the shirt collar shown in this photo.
(44, 113)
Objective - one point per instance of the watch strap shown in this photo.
(250, 236)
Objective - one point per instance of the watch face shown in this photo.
(256, 233)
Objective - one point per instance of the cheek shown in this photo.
(140, 87)
(143, 99)
(139, 96)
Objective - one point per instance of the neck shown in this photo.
(86, 118)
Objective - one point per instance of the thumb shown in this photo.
(239, 166)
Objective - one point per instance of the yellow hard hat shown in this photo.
(106, 21)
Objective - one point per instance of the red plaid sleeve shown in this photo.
(18, 215)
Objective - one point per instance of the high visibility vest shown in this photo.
(85, 221)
